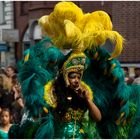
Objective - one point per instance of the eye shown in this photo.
(78, 77)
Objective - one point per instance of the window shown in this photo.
(2, 13)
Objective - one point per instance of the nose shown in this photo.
(76, 80)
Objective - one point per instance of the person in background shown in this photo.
(17, 105)
(10, 71)
(137, 76)
(5, 123)
(127, 79)
(6, 97)
(1, 90)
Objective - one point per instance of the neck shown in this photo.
(5, 127)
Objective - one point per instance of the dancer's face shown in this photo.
(74, 79)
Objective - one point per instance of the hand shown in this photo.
(20, 102)
(16, 93)
(0, 109)
(18, 88)
(14, 89)
(83, 93)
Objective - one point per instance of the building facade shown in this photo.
(124, 14)
(7, 46)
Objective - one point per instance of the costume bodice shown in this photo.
(68, 110)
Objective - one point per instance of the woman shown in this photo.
(72, 100)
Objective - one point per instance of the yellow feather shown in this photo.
(103, 18)
(49, 96)
(44, 23)
(46, 110)
(118, 40)
(74, 35)
(69, 28)
(112, 67)
(26, 57)
(99, 38)
(67, 10)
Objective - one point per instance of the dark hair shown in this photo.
(7, 110)
(125, 68)
(14, 79)
(137, 68)
(10, 114)
(13, 68)
(2, 71)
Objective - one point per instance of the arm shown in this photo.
(93, 109)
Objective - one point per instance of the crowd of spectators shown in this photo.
(11, 101)
(132, 80)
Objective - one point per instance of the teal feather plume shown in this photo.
(109, 94)
(36, 72)
(46, 129)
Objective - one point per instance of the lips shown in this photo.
(75, 85)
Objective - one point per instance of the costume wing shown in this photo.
(40, 65)
(117, 101)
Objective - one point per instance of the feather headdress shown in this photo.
(70, 28)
